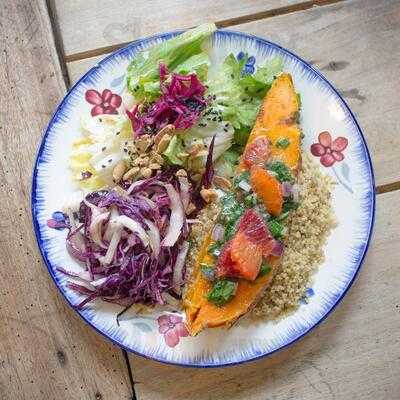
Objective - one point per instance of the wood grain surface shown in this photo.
(354, 354)
(351, 43)
(46, 351)
(86, 25)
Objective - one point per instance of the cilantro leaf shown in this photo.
(222, 291)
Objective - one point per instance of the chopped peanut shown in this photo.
(118, 171)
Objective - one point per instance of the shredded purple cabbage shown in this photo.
(135, 274)
(181, 103)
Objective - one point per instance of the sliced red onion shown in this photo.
(84, 275)
(133, 226)
(96, 227)
(99, 281)
(154, 237)
(176, 220)
(185, 188)
(178, 277)
(278, 248)
(218, 232)
(244, 186)
(74, 249)
(147, 200)
(287, 189)
(116, 237)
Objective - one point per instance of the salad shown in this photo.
(185, 137)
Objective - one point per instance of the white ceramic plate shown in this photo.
(153, 336)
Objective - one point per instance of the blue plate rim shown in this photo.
(266, 43)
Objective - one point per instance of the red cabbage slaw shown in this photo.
(181, 103)
(132, 242)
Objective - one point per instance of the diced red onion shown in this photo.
(277, 250)
(176, 220)
(287, 189)
(244, 186)
(177, 278)
(74, 250)
(218, 232)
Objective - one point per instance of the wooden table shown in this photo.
(46, 351)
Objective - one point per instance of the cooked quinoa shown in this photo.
(308, 227)
(307, 233)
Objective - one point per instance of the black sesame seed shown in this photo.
(110, 160)
(214, 119)
(103, 148)
(100, 120)
(226, 125)
(125, 150)
(103, 166)
(225, 130)
(118, 133)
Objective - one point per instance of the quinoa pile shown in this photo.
(308, 228)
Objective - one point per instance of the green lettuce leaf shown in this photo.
(143, 71)
(238, 96)
(175, 147)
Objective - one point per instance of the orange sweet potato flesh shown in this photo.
(201, 314)
(276, 120)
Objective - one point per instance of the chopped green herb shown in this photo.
(276, 228)
(208, 271)
(283, 216)
(264, 269)
(289, 205)
(244, 176)
(222, 291)
(215, 249)
(231, 209)
(282, 143)
(299, 99)
(281, 171)
(250, 200)
(230, 229)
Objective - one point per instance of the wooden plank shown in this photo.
(90, 24)
(46, 351)
(353, 44)
(362, 69)
(354, 354)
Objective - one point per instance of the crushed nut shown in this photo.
(118, 171)
(163, 144)
(181, 172)
(208, 195)
(190, 208)
(144, 161)
(182, 155)
(131, 173)
(222, 182)
(155, 157)
(194, 149)
(154, 166)
(146, 172)
(167, 130)
(143, 143)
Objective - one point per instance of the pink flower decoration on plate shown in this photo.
(329, 151)
(172, 327)
(105, 103)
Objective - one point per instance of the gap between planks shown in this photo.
(63, 65)
(220, 24)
